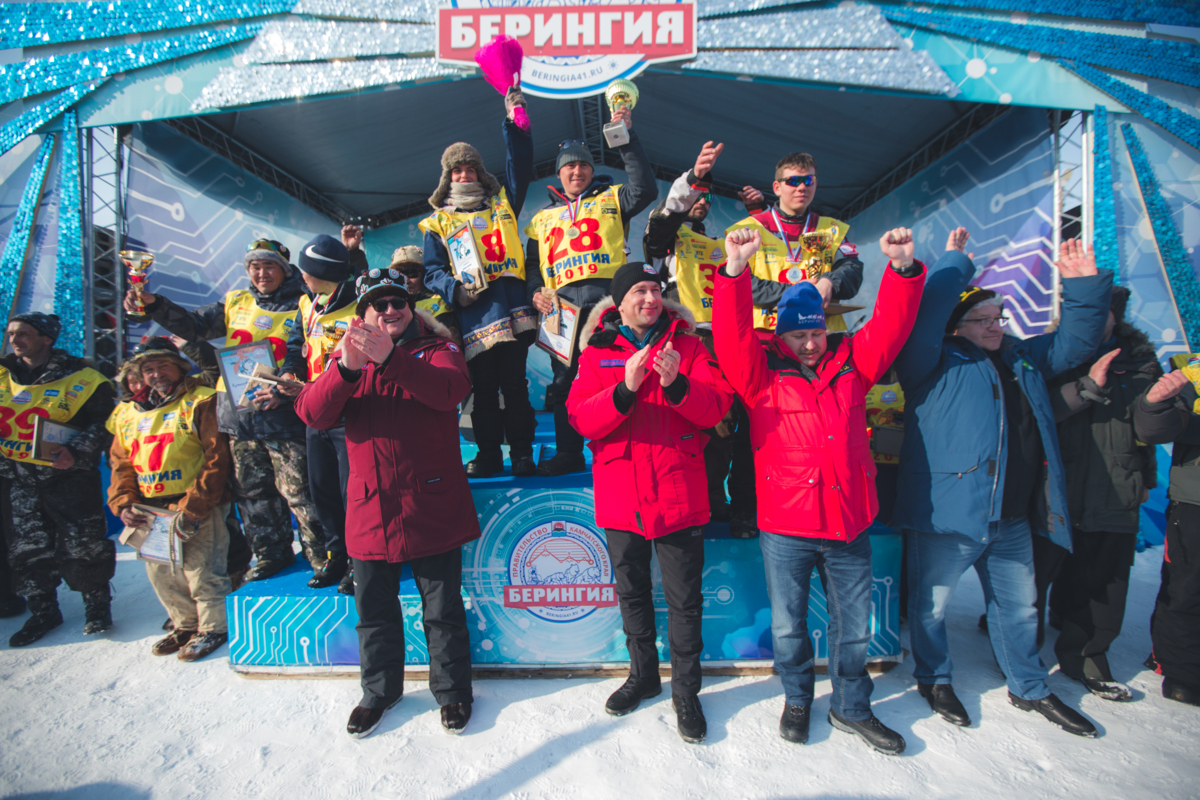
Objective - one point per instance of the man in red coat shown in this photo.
(805, 393)
(398, 384)
(645, 390)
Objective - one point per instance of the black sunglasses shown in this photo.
(796, 180)
(383, 304)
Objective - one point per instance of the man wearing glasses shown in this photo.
(577, 243)
(982, 470)
(267, 441)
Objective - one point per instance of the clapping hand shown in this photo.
(372, 342)
(1167, 387)
(1099, 370)
(636, 369)
(1074, 261)
(666, 364)
(740, 246)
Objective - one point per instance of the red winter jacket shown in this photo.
(648, 468)
(812, 462)
(407, 496)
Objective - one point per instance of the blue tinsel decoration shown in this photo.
(1104, 205)
(1185, 126)
(1170, 61)
(68, 272)
(47, 74)
(1184, 285)
(15, 249)
(29, 24)
(17, 129)
(1164, 12)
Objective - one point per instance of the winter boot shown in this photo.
(331, 573)
(793, 725)
(562, 464)
(880, 737)
(346, 585)
(523, 465)
(632, 692)
(945, 703)
(97, 610)
(364, 721)
(266, 568)
(201, 645)
(172, 643)
(44, 617)
(455, 717)
(1057, 712)
(485, 465)
(689, 718)
(1181, 692)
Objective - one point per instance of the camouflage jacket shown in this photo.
(88, 446)
(212, 485)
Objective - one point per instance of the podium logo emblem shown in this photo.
(559, 571)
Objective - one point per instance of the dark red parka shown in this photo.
(648, 465)
(814, 475)
(407, 496)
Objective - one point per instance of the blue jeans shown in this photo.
(845, 570)
(1005, 565)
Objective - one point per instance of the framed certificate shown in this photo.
(240, 365)
(48, 436)
(558, 333)
(154, 541)
(468, 266)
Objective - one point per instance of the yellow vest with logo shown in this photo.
(594, 249)
(114, 419)
(1189, 364)
(883, 402)
(245, 322)
(696, 260)
(317, 346)
(770, 264)
(497, 237)
(164, 445)
(57, 401)
(434, 304)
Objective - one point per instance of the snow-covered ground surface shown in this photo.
(102, 718)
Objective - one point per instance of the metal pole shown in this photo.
(1056, 216)
(118, 243)
(1088, 164)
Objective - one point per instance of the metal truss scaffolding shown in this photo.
(104, 235)
(1071, 140)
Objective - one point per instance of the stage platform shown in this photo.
(538, 588)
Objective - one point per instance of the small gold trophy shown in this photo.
(816, 245)
(619, 94)
(137, 262)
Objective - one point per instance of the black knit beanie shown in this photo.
(628, 275)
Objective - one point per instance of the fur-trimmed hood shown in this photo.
(1137, 351)
(455, 155)
(436, 328)
(603, 332)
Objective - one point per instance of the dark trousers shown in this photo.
(742, 496)
(501, 369)
(1089, 598)
(1175, 628)
(381, 628)
(328, 471)
(1048, 559)
(681, 561)
(566, 438)
(238, 558)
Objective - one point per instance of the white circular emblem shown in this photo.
(262, 322)
(888, 397)
(564, 566)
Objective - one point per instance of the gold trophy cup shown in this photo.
(815, 245)
(137, 262)
(619, 94)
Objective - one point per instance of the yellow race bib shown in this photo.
(771, 263)
(696, 260)
(883, 402)
(497, 237)
(591, 247)
(1189, 364)
(434, 304)
(318, 346)
(57, 401)
(164, 445)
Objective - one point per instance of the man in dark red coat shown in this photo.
(645, 391)
(398, 384)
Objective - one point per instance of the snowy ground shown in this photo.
(103, 718)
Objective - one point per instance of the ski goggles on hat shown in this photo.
(797, 180)
(269, 244)
(565, 143)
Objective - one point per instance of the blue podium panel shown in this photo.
(539, 590)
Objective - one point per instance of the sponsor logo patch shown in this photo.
(888, 397)
(848, 249)
(23, 397)
(50, 393)
(612, 362)
(262, 322)
(560, 572)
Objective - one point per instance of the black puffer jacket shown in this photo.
(1107, 470)
(208, 322)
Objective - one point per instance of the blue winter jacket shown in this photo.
(955, 432)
